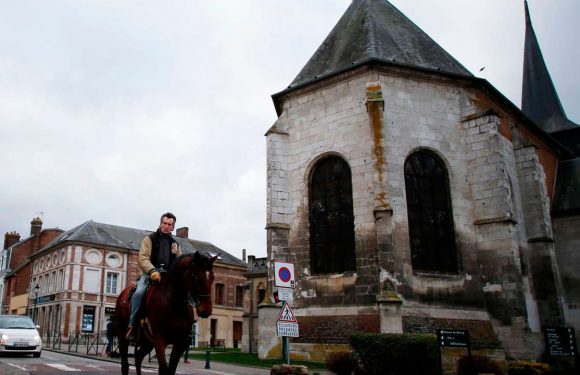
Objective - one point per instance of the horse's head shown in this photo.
(199, 281)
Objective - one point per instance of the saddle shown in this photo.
(141, 317)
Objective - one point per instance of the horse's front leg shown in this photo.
(141, 350)
(175, 357)
(124, 353)
(160, 352)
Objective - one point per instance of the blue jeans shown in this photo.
(138, 296)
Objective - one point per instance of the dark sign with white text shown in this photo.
(560, 341)
(454, 338)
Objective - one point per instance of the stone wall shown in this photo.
(336, 117)
(566, 231)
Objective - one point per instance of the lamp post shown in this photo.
(34, 314)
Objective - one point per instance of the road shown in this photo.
(60, 363)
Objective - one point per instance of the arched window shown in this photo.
(331, 217)
(430, 216)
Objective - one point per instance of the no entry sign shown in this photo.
(284, 275)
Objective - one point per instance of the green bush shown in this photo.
(477, 365)
(341, 363)
(396, 354)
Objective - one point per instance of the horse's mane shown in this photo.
(203, 261)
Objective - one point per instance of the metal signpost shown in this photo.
(286, 325)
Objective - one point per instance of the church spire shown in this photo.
(540, 100)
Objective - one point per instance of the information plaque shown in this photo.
(453, 338)
(560, 341)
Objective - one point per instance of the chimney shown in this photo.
(182, 232)
(10, 239)
(35, 226)
(244, 255)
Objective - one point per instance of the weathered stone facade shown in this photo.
(487, 175)
(376, 116)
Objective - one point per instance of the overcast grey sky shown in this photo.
(116, 111)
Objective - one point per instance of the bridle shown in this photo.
(196, 298)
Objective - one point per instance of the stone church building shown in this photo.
(411, 195)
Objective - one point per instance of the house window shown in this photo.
(332, 246)
(91, 280)
(40, 282)
(31, 289)
(61, 279)
(219, 294)
(431, 232)
(239, 296)
(53, 281)
(112, 283)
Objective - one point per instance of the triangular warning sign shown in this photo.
(286, 314)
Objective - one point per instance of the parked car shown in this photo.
(19, 334)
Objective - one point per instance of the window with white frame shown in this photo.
(60, 279)
(91, 280)
(53, 281)
(112, 283)
(40, 282)
(46, 283)
(31, 288)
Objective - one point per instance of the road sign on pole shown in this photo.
(286, 314)
(286, 294)
(287, 324)
(287, 329)
(284, 275)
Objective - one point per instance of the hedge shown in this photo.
(396, 354)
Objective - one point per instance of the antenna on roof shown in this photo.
(40, 214)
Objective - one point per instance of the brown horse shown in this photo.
(167, 312)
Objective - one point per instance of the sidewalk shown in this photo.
(194, 367)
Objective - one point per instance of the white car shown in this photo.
(19, 334)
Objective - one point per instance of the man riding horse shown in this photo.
(159, 249)
(169, 309)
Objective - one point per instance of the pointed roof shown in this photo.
(540, 100)
(374, 30)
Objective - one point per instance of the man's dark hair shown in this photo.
(168, 215)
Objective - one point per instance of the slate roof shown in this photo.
(540, 101)
(91, 232)
(374, 30)
(569, 138)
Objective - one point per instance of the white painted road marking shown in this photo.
(18, 367)
(62, 367)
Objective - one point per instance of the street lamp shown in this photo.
(36, 287)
